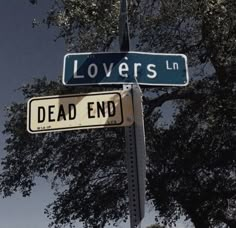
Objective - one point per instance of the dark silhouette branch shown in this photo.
(184, 94)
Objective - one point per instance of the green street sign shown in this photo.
(150, 69)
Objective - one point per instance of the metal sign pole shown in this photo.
(123, 27)
(136, 159)
(134, 136)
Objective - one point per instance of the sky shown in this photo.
(27, 53)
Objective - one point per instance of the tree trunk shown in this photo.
(200, 222)
(231, 223)
(199, 219)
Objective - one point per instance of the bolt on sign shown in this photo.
(79, 111)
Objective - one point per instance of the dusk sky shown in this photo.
(27, 53)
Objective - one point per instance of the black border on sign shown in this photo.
(76, 127)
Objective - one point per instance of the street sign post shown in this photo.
(149, 69)
(79, 111)
(136, 159)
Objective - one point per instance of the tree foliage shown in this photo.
(191, 163)
(82, 161)
(192, 169)
(155, 226)
(85, 27)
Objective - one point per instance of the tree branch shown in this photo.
(181, 93)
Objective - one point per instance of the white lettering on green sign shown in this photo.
(123, 69)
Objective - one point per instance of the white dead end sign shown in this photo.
(78, 111)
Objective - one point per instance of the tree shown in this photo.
(191, 164)
(192, 168)
(83, 162)
(155, 226)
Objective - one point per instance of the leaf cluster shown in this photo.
(192, 164)
(84, 162)
(85, 27)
